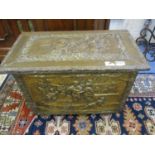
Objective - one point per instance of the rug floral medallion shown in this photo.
(136, 118)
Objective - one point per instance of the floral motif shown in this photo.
(50, 128)
(131, 124)
(106, 126)
(24, 118)
(38, 123)
(141, 116)
(148, 103)
(137, 106)
(23, 122)
(150, 112)
(150, 127)
(82, 125)
(57, 126)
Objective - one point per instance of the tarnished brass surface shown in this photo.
(76, 93)
(76, 71)
(73, 51)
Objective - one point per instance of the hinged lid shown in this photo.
(71, 51)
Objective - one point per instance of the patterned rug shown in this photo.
(10, 101)
(144, 86)
(137, 117)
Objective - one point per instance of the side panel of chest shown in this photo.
(76, 93)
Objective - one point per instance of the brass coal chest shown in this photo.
(75, 72)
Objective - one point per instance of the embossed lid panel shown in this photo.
(74, 51)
